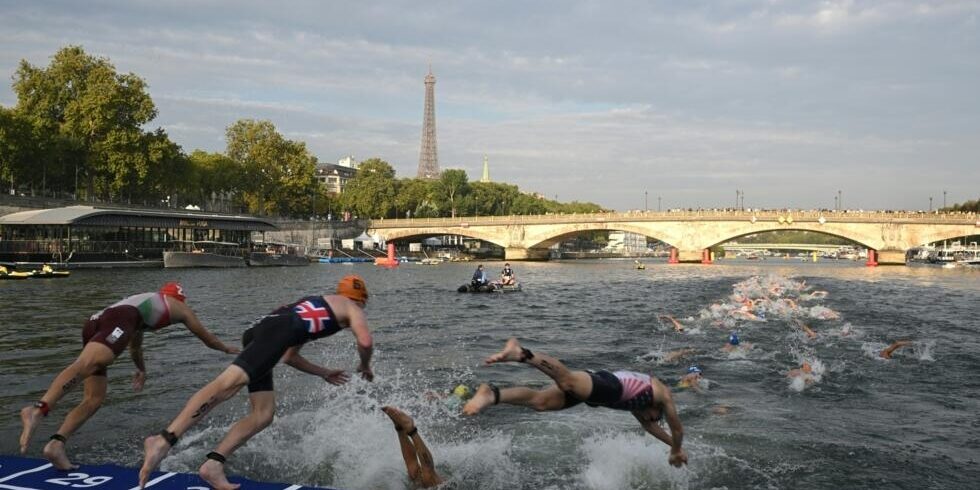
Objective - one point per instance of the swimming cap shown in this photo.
(733, 339)
(694, 370)
(353, 288)
(462, 392)
(174, 290)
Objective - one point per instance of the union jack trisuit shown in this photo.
(266, 341)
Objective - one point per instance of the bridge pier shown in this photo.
(891, 257)
(513, 253)
(690, 256)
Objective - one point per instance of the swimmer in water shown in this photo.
(692, 379)
(677, 325)
(888, 351)
(418, 460)
(807, 330)
(644, 396)
(676, 355)
(454, 399)
(735, 344)
(805, 372)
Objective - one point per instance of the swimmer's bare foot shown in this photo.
(28, 417)
(511, 353)
(403, 422)
(482, 399)
(155, 448)
(213, 472)
(54, 451)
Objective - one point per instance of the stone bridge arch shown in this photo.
(555, 234)
(475, 233)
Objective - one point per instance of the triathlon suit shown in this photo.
(621, 390)
(266, 341)
(115, 326)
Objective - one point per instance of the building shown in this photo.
(87, 235)
(486, 170)
(334, 176)
(626, 242)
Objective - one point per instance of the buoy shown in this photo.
(390, 260)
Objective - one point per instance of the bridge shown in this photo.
(888, 235)
(751, 247)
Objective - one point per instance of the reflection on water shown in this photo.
(868, 421)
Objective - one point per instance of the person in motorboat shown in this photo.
(644, 396)
(479, 277)
(105, 335)
(507, 277)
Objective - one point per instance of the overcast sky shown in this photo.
(610, 102)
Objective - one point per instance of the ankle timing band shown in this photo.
(526, 354)
(415, 430)
(59, 437)
(216, 456)
(496, 394)
(170, 437)
(43, 407)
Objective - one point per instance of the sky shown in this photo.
(627, 104)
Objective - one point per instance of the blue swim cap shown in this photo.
(733, 339)
(693, 370)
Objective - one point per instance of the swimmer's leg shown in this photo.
(262, 410)
(95, 390)
(223, 387)
(94, 357)
(546, 400)
(577, 383)
(418, 459)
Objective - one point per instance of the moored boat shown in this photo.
(277, 255)
(206, 254)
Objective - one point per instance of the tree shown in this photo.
(101, 113)
(451, 187)
(277, 175)
(371, 193)
(415, 195)
(16, 144)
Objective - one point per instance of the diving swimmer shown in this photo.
(277, 336)
(644, 396)
(105, 335)
(418, 460)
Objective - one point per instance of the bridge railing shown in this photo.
(686, 215)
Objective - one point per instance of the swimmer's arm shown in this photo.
(653, 428)
(186, 316)
(136, 351)
(365, 345)
(293, 359)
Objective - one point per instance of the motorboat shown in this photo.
(493, 287)
(14, 275)
(277, 254)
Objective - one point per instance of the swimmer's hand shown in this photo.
(336, 377)
(678, 458)
(139, 377)
(366, 372)
(230, 350)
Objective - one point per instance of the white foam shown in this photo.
(615, 461)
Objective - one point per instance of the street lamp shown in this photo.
(658, 204)
(835, 204)
(646, 206)
(944, 199)
(930, 204)
(840, 201)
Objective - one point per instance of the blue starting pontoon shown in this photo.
(35, 474)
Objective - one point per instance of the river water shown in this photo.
(907, 422)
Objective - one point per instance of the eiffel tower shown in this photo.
(428, 156)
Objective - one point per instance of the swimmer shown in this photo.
(105, 335)
(888, 351)
(455, 398)
(644, 396)
(692, 379)
(676, 355)
(277, 336)
(418, 460)
(805, 372)
(807, 330)
(734, 344)
(677, 325)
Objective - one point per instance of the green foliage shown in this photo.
(451, 188)
(99, 113)
(965, 207)
(371, 193)
(276, 174)
(415, 198)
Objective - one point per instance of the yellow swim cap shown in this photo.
(462, 391)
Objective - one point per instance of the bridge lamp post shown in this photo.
(835, 204)
(646, 206)
(930, 204)
(840, 201)
(944, 199)
(658, 204)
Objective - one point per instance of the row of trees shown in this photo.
(375, 192)
(965, 207)
(78, 129)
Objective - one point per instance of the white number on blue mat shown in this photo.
(84, 481)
